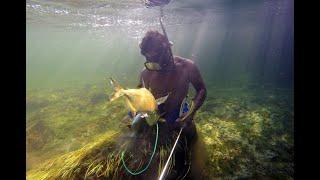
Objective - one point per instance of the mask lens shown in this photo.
(152, 66)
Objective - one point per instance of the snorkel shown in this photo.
(151, 64)
(154, 3)
(158, 66)
(165, 33)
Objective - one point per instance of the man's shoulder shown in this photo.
(184, 61)
(144, 71)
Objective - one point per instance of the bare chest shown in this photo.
(161, 84)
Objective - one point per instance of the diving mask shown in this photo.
(152, 66)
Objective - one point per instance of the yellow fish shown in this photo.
(137, 100)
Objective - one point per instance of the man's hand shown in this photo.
(185, 119)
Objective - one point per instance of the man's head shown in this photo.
(156, 48)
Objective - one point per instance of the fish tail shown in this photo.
(117, 90)
(115, 84)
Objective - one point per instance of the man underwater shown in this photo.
(167, 74)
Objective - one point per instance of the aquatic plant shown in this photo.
(71, 165)
(243, 137)
(101, 159)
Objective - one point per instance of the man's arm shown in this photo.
(201, 91)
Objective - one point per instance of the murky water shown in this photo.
(234, 42)
(244, 50)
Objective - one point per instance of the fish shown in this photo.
(137, 100)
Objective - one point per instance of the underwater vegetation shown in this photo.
(73, 133)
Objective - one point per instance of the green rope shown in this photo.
(154, 150)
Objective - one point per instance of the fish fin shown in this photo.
(127, 96)
(132, 109)
(162, 99)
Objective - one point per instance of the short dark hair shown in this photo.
(153, 40)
